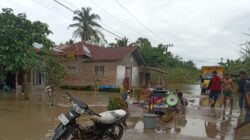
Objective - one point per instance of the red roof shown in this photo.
(55, 52)
(97, 53)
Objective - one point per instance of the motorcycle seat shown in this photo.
(110, 117)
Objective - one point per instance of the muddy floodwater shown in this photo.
(34, 119)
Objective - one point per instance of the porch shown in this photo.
(152, 77)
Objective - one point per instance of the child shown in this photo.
(247, 116)
(183, 102)
(50, 93)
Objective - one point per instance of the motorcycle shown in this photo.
(106, 125)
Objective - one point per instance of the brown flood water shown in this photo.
(33, 119)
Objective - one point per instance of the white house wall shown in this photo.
(120, 75)
(135, 76)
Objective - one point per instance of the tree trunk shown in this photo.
(25, 85)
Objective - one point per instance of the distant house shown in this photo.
(109, 67)
(14, 80)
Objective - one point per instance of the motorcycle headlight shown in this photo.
(77, 109)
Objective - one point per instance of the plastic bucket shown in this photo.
(149, 120)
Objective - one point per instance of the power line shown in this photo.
(111, 29)
(112, 16)
(122, 22)
(71, 4)
(100, 21)
(247, 34)
(64, 6)
(73, 12)
(136, 19)
(42, 4)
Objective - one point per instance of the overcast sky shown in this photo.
(201, 30)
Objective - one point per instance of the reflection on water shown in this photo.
(33, 119)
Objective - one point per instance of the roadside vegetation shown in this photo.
(18, 54)
(243, 63)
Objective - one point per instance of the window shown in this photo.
(99, 70)
(72, 69)
(207, 76)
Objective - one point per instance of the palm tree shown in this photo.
(87, 27)
(123, 42)
(120, 42)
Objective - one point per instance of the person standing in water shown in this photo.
(50, 93)
(247, 107)
(241, 89)
(227, 90)
(215, 89)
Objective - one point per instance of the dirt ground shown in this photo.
(33, 119)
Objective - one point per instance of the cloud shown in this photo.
(203, 31)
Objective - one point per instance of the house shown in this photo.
(14, 80)
(108, 67)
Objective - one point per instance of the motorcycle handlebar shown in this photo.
(81, 104)
(92, 112)
(68, 93)
(97, 114)
(77, 101)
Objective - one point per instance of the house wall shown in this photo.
(135, 76)
(83, 73)
(34, 80)
(131, 62)
(120, 75)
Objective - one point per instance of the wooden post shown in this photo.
(25, 85)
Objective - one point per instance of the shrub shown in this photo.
(116, 103)
(83, 88)
(110, 90)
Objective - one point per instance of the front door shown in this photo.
(128, 75)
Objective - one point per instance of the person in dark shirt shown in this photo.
(241, 89)
(201, 84)
(247, 115)
(215, 89)
(201, 79)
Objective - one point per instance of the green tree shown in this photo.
(245, 51)
(112, 45)
(143, 43)
(51, 68)
(87, 27)
(69, 42)
(123, 42)
(179, 70)
(17, 36)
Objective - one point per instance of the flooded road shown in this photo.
(33, 119)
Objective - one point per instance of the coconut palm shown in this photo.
(87, 27)
(120, 42)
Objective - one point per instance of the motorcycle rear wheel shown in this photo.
(116, 132)
(68, 137)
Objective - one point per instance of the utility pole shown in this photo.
(166, 52)
(221, 60)
(166, 56)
